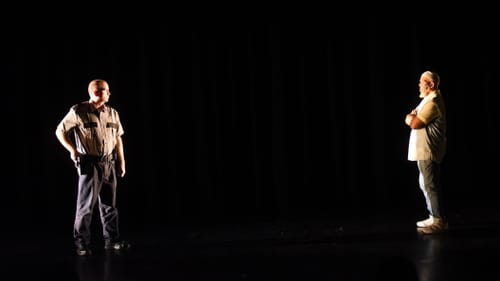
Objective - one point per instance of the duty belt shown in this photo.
(96, 158)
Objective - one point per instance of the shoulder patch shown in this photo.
(82, 107)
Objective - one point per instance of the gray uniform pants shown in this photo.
(96, 184)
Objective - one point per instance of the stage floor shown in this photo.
(300, 250)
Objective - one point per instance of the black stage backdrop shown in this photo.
(234, 121)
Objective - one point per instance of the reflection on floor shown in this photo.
(271, 251)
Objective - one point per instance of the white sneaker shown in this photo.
(437, 226)
(426, 223)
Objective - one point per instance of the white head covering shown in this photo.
(434, 77)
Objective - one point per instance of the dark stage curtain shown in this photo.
(231, 122)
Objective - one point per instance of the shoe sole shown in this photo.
(428, 231)
(83, 253)
(117, 248)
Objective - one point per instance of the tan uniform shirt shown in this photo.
(95, 132)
